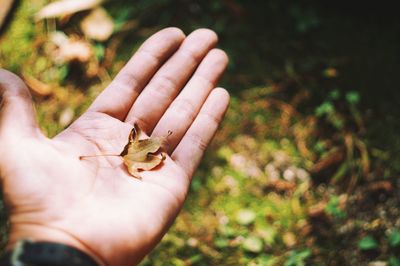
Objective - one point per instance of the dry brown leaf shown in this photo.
(70, 48)
(65, 7)
(38, 87)
(289, 239)
(98, 25)
(331, 159)
(78, 50)
(318, 210)
(75, 50)
(66, 117)
(5, 7)
(140, 154)
(281, 186)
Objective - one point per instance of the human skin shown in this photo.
(94, 204)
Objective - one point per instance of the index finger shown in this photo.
(117, 99)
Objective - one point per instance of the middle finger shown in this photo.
(169, 80)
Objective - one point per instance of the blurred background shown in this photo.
(304, 168)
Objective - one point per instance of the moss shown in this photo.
(16, 44)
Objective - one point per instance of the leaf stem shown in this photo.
(96, 155)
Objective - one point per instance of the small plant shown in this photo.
(367, 243)
(393, 261)
(298, 257)
(394, 238)
(328, 110)
(333, 208)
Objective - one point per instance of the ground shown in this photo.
(304, 168)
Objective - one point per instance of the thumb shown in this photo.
(17, 115)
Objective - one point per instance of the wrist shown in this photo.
(39, 233)
(39, 253)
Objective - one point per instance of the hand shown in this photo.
(94, 204)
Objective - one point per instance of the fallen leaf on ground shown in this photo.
(331, 159)
(76, 50)
(70, 48)
(289, 239)
(245, 217)
(38, 87)
(66, 117)
(98, 25)
(5, 8)
(65, 7)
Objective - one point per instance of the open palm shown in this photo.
(94, 204)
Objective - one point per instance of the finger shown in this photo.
(117, 99)
(17, 116)
(183, 110)
(190, 150)
(169, 80)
